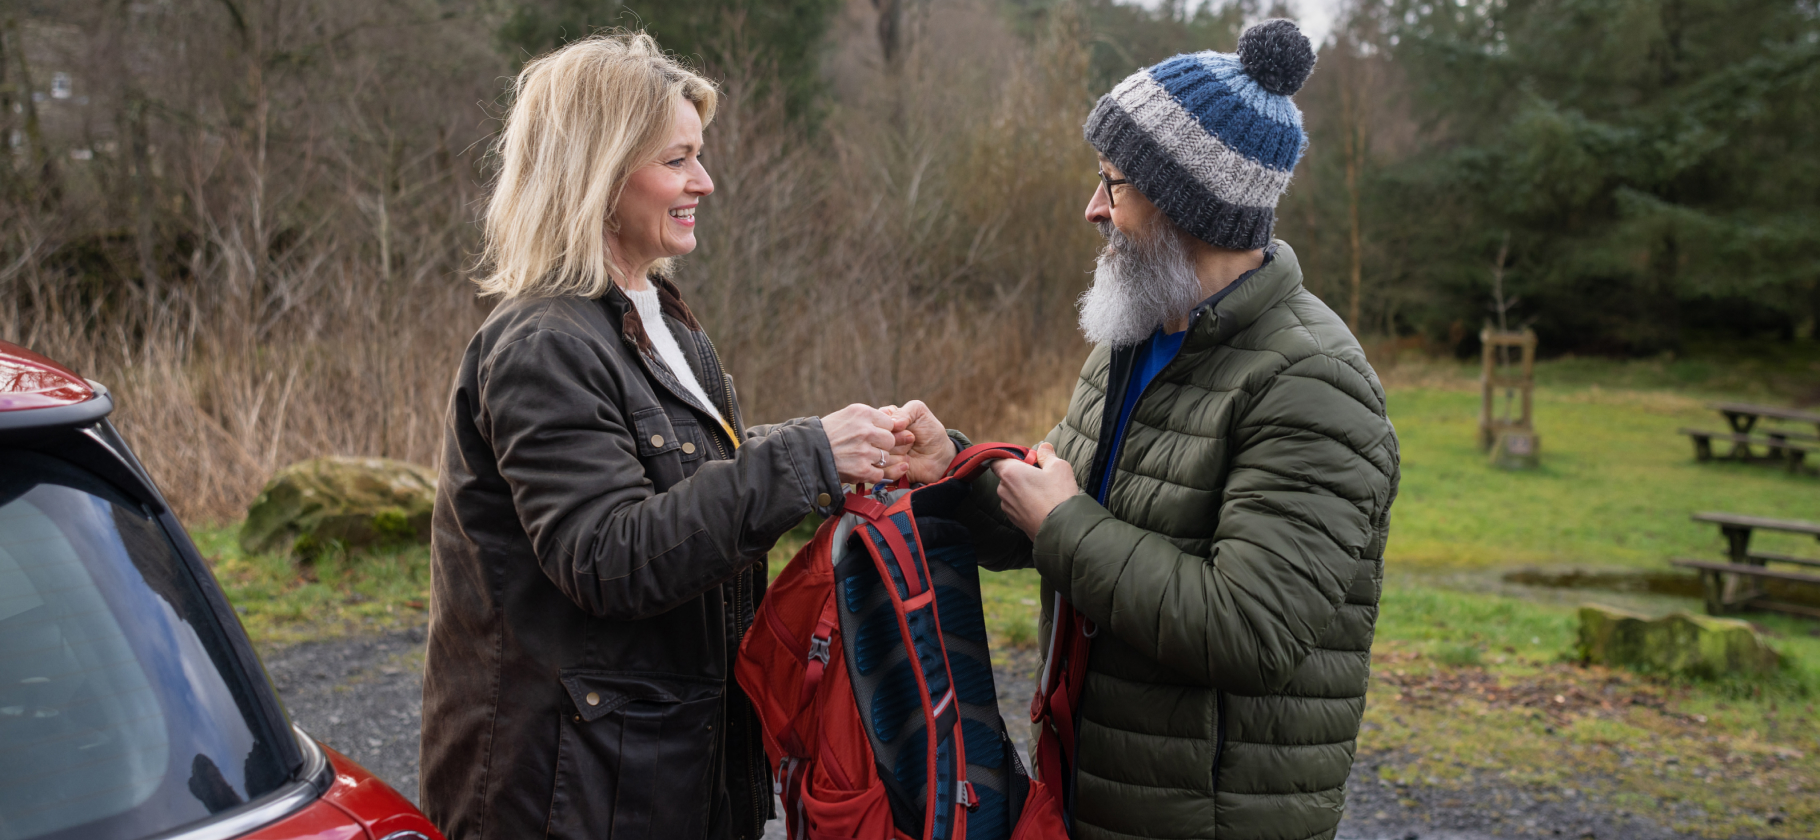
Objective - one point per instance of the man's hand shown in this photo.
(1028, 493)
(867, 444)
(931, 450)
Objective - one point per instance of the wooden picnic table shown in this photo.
(1743, 417)
(1736, 584)
(1780, 443)
(1738, 528)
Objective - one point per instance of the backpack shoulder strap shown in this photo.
(1056, 707)
(970, 462)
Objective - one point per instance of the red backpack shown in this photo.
(868, 665)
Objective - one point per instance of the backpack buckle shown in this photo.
(783, 772)
(818, 648)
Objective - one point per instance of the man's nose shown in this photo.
(1098, 208)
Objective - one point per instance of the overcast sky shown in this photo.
(1314, 16)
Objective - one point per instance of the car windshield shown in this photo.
(122, 711)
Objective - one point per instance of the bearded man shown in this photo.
(1224, 531)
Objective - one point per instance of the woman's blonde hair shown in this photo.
(583, 118)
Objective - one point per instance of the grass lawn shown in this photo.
(1472, 676)
(1616, 486)
(280, 604)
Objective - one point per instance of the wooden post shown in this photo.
(1487, 375)
(1512, 442)
(1529, 376)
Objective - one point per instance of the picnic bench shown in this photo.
(1779, 443)
(1738, 583)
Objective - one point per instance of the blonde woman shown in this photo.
(603, 514)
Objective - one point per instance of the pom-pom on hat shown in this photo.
(1211, 138)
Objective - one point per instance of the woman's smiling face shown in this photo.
(657, 210)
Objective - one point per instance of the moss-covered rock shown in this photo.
(1680, 643)
(312, 505)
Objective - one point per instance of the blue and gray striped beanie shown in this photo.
(1211, 138)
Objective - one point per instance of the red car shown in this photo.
(132, 704)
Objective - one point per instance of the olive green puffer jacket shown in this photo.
(1234, 573)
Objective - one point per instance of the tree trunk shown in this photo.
(1354, 152)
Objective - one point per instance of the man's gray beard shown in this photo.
(1140, 283)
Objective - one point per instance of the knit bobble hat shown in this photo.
(1211, 138)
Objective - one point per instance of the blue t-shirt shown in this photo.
(1152, 356)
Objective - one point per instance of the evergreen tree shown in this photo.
(1647, 159)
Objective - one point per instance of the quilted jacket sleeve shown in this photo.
(1312, 474)
(601, 532)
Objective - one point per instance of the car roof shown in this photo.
(47, 407)
(37, 392)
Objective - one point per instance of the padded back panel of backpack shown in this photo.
(883, 678)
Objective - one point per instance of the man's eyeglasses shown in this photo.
(1111, 182)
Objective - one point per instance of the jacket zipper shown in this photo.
(739, 422)
(756, 769)
(1219, 697)
(726, 386)
(1219, 736)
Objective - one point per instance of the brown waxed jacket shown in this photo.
(599, 547)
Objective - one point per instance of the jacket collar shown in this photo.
(669, 301)
(702, 361)
(1223, 316)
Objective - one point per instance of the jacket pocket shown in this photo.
(636, 757)
(652, 430)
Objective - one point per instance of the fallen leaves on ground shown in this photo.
(1684, 753)
(1559, 690)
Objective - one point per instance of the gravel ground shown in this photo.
(1377, 810)
(363, 696)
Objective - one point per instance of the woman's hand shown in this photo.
(931, 450)
(1028, 493)
(863, 439)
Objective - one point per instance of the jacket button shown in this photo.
(657, 441)
(688, 448)
(593, 699)
(823, 500)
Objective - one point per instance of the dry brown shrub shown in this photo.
(269, 255)
(929, 247)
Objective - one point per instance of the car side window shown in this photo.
(114, 705)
